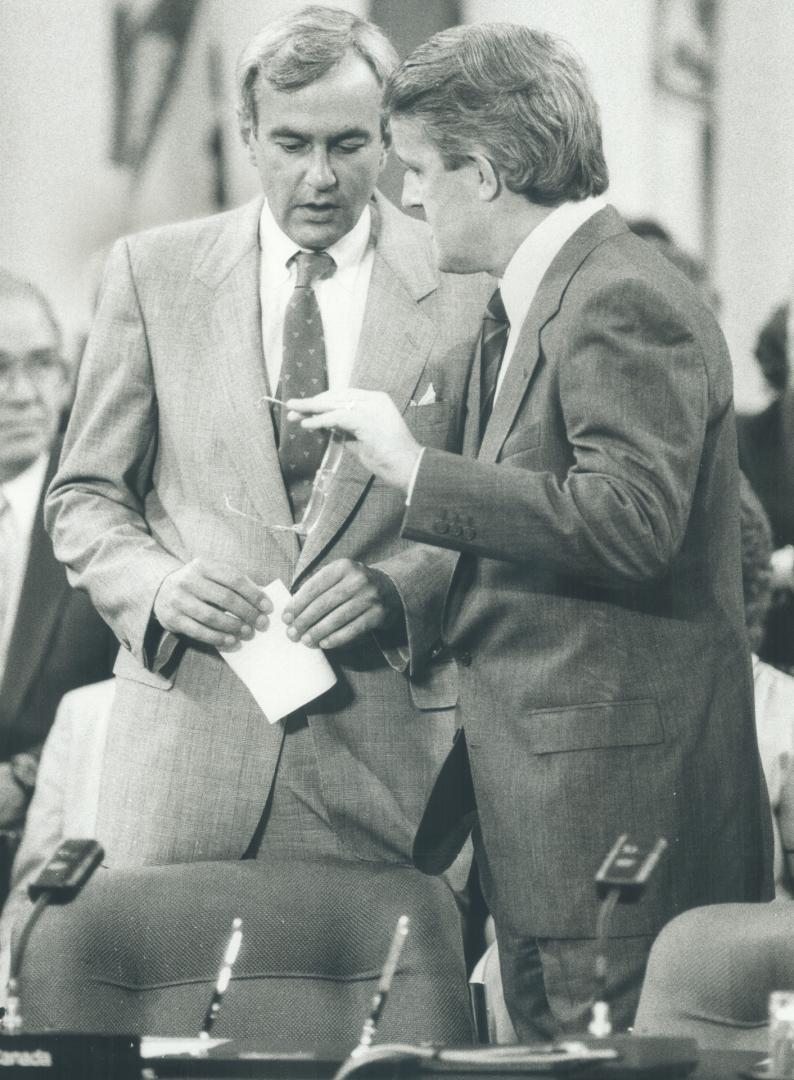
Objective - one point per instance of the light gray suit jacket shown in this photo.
(597, 605)
(167, 423)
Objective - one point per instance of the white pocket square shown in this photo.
(428, 398)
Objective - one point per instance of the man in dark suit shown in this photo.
(51, 639)
(596, 612)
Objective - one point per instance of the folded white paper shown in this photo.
(281, 674)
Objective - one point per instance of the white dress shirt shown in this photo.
(532, 259)
(23, 494)
(524, 274)
(341, 297)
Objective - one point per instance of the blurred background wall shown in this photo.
(119, 114)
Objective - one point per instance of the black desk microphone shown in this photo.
(64, 875)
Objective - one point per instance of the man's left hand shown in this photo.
(13, 798)
(342, 602)
(374, 428)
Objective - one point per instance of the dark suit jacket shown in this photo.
(766, 454)
(58, 642)
(605, 681)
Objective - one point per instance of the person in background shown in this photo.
(596, 609)
(64, 803)
(179, 483)
(766, 454)
(51, 638)
(774, 689)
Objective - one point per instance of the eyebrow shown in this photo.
(349, 133)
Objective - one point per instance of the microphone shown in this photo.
(351, 1062)
(64, 875)
(621, 878)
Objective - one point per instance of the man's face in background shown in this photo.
(33, 383)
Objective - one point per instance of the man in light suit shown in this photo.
(171, 504)
(596, 610)
(51, 638)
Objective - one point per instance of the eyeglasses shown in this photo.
(41, 366)
(321, 485)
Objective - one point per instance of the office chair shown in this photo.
(711, 971)
(138, 951)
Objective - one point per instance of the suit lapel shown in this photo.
(234, 362)
(44, 592)
(396, 339)
(595, 230)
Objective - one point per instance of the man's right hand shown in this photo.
(212, 603)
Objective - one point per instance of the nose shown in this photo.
(320, 174)
(18, 384)
(410, 195)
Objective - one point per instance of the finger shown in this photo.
(325, 579)
(341, 419)
(229, 578)
(190, 628)
(328, 399)
(211, 617)
(333, 621)
(352, 588)
(227, 600)
(355, 629)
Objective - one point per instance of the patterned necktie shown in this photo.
(493, 339)
(303, 374)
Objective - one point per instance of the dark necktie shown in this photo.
(303, 374)
(493, 339)
(9, 550)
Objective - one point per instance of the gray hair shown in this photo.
(518, 96)
(14, 287)
(300, 47)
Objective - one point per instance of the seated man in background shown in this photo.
(774, 689)
(65, 800)
(51, 639)
(766, 454)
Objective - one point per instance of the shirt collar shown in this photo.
(536, 253)
(278, 248)
(24, 491)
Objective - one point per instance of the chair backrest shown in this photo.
(711, 970)
(138, 951)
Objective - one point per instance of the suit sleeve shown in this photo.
(95, 506)
(421, 575)
(633, 393)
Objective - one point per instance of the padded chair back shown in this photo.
(711, 971)
(138, 951)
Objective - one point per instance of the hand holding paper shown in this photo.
(282, 675)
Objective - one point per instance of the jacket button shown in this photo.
(469, 534)
(464, 658)
(437, 650)
(441, 526)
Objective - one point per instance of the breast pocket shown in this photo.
(430, 425)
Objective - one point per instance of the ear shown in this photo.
(489, 183)
(248, 135)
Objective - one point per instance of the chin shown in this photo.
(318, 236)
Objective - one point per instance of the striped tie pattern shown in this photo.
(303, 374)
(493, 339)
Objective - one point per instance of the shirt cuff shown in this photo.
(413, 477)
